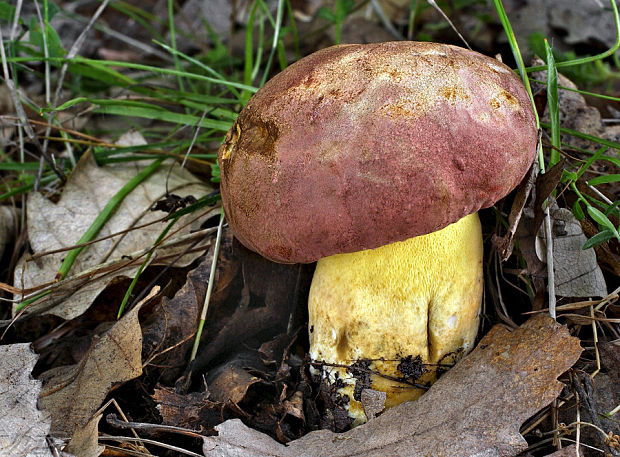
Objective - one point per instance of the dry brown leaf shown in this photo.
(89, 188)
(85, 442)
(71, 394)
(169, 329)
(269, 305)
(505, 244)
(474, 409)
(373, 402)
(23, 427)
(193, 410)
(231, 382)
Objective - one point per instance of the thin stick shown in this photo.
(550, 275)
(447, 19)
(595, 339)
(578, 431)
(205, 306)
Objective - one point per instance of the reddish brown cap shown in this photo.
(358, 146)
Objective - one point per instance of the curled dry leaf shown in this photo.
(474, 409)
(505, 244)
(71, 394)
(85, 440)
(231, 382)
(23, 427)
(59, 225)
(192, 410)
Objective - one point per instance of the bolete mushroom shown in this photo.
(374, 159)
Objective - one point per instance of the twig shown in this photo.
(112, 265)
(583, 390)
(153, 442)
(595, 339)
(205, 306)
(75, 49)
(550, 273)
(112, 420)
(446, 18)
(18, 10)
(578, 432)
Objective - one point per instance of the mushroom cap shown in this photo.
(358, 146)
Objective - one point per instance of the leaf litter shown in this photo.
(53, 226)
(476, 408)
(25, 427)
(71, 394)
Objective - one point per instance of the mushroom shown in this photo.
(374, 160)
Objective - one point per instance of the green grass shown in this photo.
(599, 211)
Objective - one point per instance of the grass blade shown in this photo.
(104, 216)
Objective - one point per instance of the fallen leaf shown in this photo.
(85, 440)
(610, 358)
(169, 328)
(231, 382)
(192, 411)
(576, 270)
(217, 13)
(561, 24)
(131, 137)
(518, 371)
(59, 225)
(71, 394)
(373, 402)
(592, 22)
(268, 306)
(536, 269)
(23, 427)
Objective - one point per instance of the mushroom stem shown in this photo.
(419, 297)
